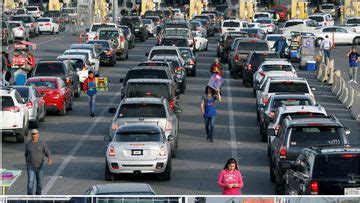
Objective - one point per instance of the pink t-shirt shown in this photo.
(230, 177)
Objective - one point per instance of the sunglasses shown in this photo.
(34, 133)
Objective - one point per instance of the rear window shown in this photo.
(23, 19)
(125, 21)
(43, 20)
(327, 7)
(273, 38)
(51, 13)
(258, 59)
(147, 21)
(148, 90)
(31, 8)
(94, 28)
(337, 166)
(108, 34)
(49, 69)
(20, 12)
(43, 84)
(314, 135)
(77, 63)
(65, 10)
(317, 18)
(353, 21)
(146, 74)
(288, 87)
(171, 32)
(201, 17)
(3, 24)
(276, 67)
(175, 42)
(163, 52)
(14, 25)
(253, 46)
(264, 21)
(231, 24)
(153, 64)
(100, 44)
(176, 25)
(261, 15)
(6, 102)
(24, 92)
(290, 102)
(137, 137)
(293, 23)
(142, 110)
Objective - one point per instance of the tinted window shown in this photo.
(253, 46)
(261, 15)
(176, 42)
(94, 28)
(3, 24)
(31, 8)
(185, 53)
(108, 34)
(102, 44)
(314, 135)
(49, 69)
(288, 87)
(201, 17)
(24, 92)
(333, 166)
(43, 84)
(126, 30)
(125, 21)
(264, 21)
(51, 13)
(290, 102)
(147, 21)
(43, 20)
(153, 64)
(148, 90)
(327, 7)
(163, 52)
(20, 12)
(258, 59)
(176, 25)
(77, 63)
(14, 25)
(273, 38)
(176, 32)
(146, 74)
(231, 24)
(6, 102)
(137, 137)
(142, 110)
(293, 23)
(23, 19)
(353, 21)
(317, 18)
(275, 67)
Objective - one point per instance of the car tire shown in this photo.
(108, 175)
(193, 72)
(166, 175)
(78, 91)
(63, 112)
(20, 138)
(206, 48)
(356, 41)
(36, 123)
(40, 33)
(43, 118)
(279, 188)
(127, 55)
(112, 63)
(173, 152)
(70, 108)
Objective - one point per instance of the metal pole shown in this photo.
(115, 10)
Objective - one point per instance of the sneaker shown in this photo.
(350, 81)
(355, 81)
(92, 115)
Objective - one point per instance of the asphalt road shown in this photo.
(76, 140)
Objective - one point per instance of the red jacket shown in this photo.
(86, 82)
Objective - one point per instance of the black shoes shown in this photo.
(92, 115)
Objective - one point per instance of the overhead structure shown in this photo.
(299, 9)
(195, 8)
(54, 5)
(147, 5)
(246, 9)
(9, 5)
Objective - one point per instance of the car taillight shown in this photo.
(86, 37)
(172, 104)
(109, 52)
(168, 126)
(47, 24)
(314, 187)
(271, 114)
(56, 96)
(282, 152)
(13, 109)
(191, 62)
(29, 104)
(277, 127)
(177, 69)
(348, 156)
(236, 58)
(122, 39)
(262, 74)
(249, 68)
(265, 100)
(111, 151)
(114, 126)
(162, 152)
(21, 29)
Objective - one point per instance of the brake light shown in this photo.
(348, 156)
(178, 68)
(114, 126)
(29, 104)
(21, 29)
(282, 152)
(111, 151)
(56, 96)
(249, 68)
(162, 152)
(172, 104)
(86, 37)
(265, 100)
(314, 187)
(122, 39)
(168, 126)
(191, 62)
(277, 127)
(236, 58)
(262, 74)
(109, 52)
(13, 109)
(47, 24)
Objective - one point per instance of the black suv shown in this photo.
(225, 41)
(62, 69)
(297, 133)
(324, 170)
(136, 25)
(252, 63)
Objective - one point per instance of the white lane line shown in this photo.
(234, 152)
(77, 146)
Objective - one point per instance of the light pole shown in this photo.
(115, 10)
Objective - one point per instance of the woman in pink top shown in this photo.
(230, 178)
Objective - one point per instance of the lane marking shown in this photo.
(37, 44)
(77, 146)
(234, 152)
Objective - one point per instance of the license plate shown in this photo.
(137, 152)
(41, 25)
(136, 29)
(352, 191)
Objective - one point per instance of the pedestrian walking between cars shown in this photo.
(325, 47)
(230, 179)
(354, 58)
(90, 89)
(208, 110)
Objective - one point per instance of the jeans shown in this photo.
(92, 103)
(35, 173)
(353, 73)
(326, 55)
(209, 127)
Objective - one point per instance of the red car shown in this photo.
(57, 94)
(282, 10)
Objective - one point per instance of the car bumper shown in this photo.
(45, 29)
(106, 59)
(120, 52)
(189, 68)
(53, 107)
(11, 131)
(138, 166)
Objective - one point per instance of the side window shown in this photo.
(18, 98)
(329, 30)
(62, 83)
(282, 130)
(37, 94)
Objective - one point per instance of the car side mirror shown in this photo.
(107, 138)
(171, 138)
(146, 54)
(286, 165)
(347, 131)
(121, 80)
(313, 88)
(112, 110)
(87, 29)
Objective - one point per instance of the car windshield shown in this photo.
(146, 74)
(108, 34)
(276, 67)
(293, 23)
(337, 166)
(23, 19)
(77, 63)
(261, 15)
(294, 87)
(231, 24)
(6, 102)
(24, 92)
(148, 90)
(175, 32)
(317, 18)
(327, 7)
(353, 21)
(142, 110)
(100, 44)
(31, 8)
(43, 84)
(303, 136)
(43, 20)
(260, 58)
(14, 25)
(163, 52)
(273, 38)
(147, 21)
(186, 53)
(174, 42)
(253, 46)
(49, 69)
(125, 21)
(201, 17)
(94, 28)
(276, 103)
(20, 12)
(264, 21)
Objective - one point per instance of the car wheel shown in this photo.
(70, 108)
(40, 33)
(166, 175)
(108, 175)
(63, 112)
(36, 123)
(206, 48)
(279, 189)
(193, 72)
(20, 138)
(53, 31)
(78, 91)
(43, 118)
(127, 55)
(356, 41)
(112, 63)
(173, 152)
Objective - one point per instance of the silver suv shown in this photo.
(137, 149)
(117, 40)
(155, 111)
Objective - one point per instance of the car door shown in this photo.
(344, 35)
(328, 31)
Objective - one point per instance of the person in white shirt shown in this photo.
(83, 75)
(325, 46)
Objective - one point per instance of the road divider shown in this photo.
(350, 100)
(355, 108)
(331, 72)
(335, 84)
(341, 89)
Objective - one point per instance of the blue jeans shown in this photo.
(92, 103)
(326, 54)
(35, 173)
(209, 127)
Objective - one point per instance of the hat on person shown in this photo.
(34, 131)
(90, 71)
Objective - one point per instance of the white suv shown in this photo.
(14, 115)
(232, 25)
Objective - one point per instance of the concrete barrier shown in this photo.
(320, 71)
(341, 87)
(350, 100)
(336, 83)
(344, 94)
(331, 72)
(324, 74)
(355, 108)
